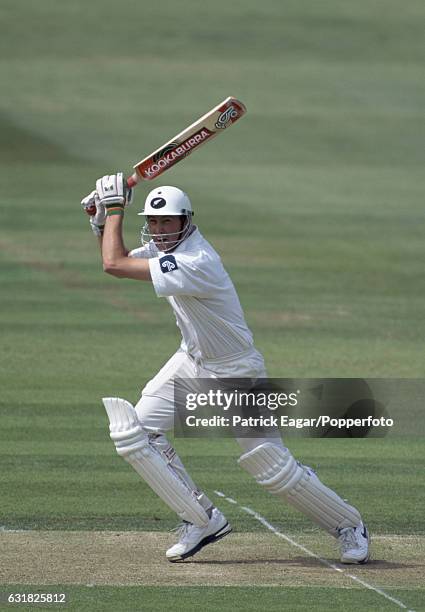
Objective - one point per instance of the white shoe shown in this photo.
(354, 544)
(193, 538)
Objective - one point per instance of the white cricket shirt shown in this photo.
(207, 308)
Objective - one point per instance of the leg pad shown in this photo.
(132, 443)
(277, 471)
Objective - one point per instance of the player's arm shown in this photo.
(114, 254)
(113, 195)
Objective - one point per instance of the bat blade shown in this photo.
(201, 131)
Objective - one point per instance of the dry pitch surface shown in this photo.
(137, 558)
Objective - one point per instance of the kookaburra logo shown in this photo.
(225, 117)
(168, 263)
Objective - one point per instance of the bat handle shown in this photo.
(133, 180)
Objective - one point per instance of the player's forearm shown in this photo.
(110, 197)
(112, 245)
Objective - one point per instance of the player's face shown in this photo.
(165, 230)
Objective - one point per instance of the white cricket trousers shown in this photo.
(155, 409)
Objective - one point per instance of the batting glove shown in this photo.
(96, 210)
(113, 193)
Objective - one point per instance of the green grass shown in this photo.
(61, 456)
(314, 200)
(215, 598)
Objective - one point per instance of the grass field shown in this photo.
(315, 203)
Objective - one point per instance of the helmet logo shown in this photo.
(158, 203)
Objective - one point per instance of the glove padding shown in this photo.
(112, 189)
(97, 212)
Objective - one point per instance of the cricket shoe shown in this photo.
(192, 538)
(354, 544)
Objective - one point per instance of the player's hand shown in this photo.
(89, 203)
(96, 210)
(113, 191)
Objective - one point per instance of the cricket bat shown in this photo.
(201, 131)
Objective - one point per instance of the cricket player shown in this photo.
(216, 343)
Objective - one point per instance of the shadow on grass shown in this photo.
(19, 144)
(307, 562)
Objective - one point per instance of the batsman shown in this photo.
(216, 343)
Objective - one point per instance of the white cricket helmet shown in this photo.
(167, 201)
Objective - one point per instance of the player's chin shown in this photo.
(161, 245)
(165, 246)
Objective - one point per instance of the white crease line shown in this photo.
(4, 529)
(278, 533)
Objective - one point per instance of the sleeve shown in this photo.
(144, 252)
(182, 274)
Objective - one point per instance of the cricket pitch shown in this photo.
(138, 558)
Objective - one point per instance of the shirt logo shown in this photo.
(168, 263)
